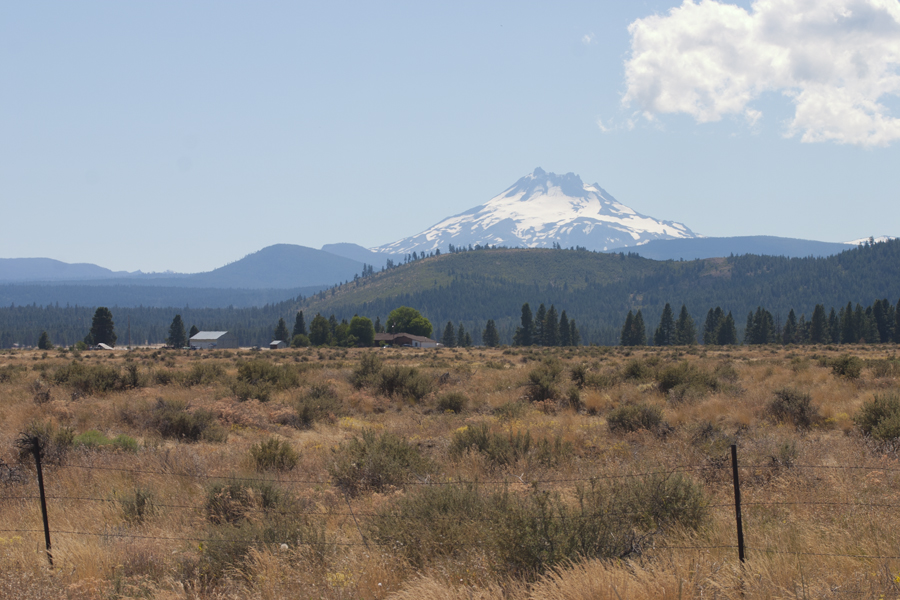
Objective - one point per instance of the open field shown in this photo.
(452, 473)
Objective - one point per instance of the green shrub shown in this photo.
(374, 462)
(406, 382)
(454, 402)
(279, 377)
(634, 417)
(319, 402)
(511, 410)
(683, 381)
(89, 379)
(637, 370)
(94, 440)
(9, 373)
(543, 380)
(203, 373)
(274, 454)
(880, 417)
(846, 366)
(888, 367)
(579, 375)
(793, 406)
(366, 371)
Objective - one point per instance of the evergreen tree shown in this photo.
(44, 342)
(449, 337)
(490, 337)
(714, 319)
(194, 331)
(665, 331)
(281, 331)
(319, 331)
(461, 336)
(299, 325)
(378, 327)
(639, 333)
(685, 331)
(103, 330)
(574, 336)
(539, 320)
(848, 331)
(760, 328)
(177, 337)
(726, 334)
(789, 335)
(565, 334)
(818, 326)
(834, 327)
(626, 339)
(332, 325)
(551, 327)
(897, 323)
(525, 333)
(468, 342)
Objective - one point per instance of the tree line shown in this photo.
(878, 323)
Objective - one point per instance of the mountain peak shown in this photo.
(541, 210)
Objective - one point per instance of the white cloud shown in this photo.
(837, 60)
(587, 39)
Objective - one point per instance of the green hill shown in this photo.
(597, 290)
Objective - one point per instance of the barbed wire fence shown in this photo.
(737, 505)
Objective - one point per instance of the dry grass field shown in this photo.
(452, 473)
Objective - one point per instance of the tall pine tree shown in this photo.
(299, 325)
(665, 331)
(685, 331)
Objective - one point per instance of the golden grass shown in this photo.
(791, 542)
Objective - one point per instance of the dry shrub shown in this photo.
(173, 419)
(793, 406)
(543, 380)
(510, 447)
(527, 534)
(634, 417)
(319, 402)
(685, 381)
(846, 366)
(454, 402)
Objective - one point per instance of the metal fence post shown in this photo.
(737, 502)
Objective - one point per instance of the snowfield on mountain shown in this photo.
(541, 210)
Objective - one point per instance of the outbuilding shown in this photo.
(207, 340)
(277, 345)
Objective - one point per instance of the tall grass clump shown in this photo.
(374, 461)
(95, 440)
(274, 454)
(879, 418)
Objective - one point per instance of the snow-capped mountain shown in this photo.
(871, 240)
(540, 210)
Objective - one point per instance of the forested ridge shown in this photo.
(470, 287)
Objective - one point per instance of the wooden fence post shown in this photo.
(737, 502)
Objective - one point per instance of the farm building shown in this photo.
(205, 340)
(405, 339)
(277, 344)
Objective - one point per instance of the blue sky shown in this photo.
(183, 136)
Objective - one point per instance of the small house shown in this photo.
(406, 339)
(277, 345)
(207, 340)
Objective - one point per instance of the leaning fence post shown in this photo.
(737, 502)
(32, 443)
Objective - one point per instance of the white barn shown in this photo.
(206, 340)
